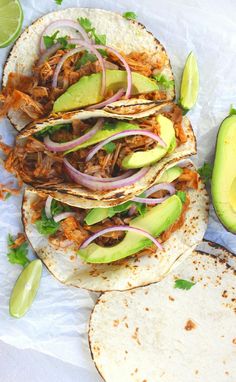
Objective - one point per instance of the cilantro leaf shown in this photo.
(109, 147)
(58, 2)
(205, 172)
(50, 40)
(232, 110)
(85, 58)
(183, 284)
(7, 196)
(19, 254)
(182, 196)
(58, 208)
(100, 39)
(163, 81)
(86, 24)
(129, 15)
(122, 207)
(64, 43)
(141, 208)
(109, 126)
(51, 129)
(46, 226)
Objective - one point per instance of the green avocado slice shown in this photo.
(141, 159)
(107, 131)
(87, 91)
(155, 221)
(223, 185)
(98, 214)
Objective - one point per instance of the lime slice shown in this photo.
(190, 83)
(11, 18)
(25, 289)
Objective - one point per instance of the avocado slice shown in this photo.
(87, 91)
(170, 175)
(223, 185)
(155, 221)
(108, 130)
(98, 214)
(141, 159)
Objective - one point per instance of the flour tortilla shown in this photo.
(160, 333)
(131, 272)
(124, 35)
(79, 196)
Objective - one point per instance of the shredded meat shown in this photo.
(37, 207)
(188, 179)
(73, 230)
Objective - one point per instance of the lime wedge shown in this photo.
(25, 289)
(190, 83)
(11, 18)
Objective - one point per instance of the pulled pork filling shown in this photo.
(34, 96)
(31, 162)
(74, 230)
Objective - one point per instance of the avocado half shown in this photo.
(223, 186)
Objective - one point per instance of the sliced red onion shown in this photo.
(59, 147)
(63, 215)
(66, 243)
(158, 187)
(83, 45)
(126, 66)
(114, 98)
(120, 228)
(48, 205)
(132, 210)
(62, 23)
(123, 134)
(48, 53)
(100, 184)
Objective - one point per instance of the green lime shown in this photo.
(25, 289)
(190, 83)
(11, 18)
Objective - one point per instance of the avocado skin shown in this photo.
(223, 185)
(157, 220)
(87, 91)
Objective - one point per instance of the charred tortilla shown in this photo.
(132, 36)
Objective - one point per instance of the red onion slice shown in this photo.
(114, 98)
(158, 187)
(63, 215)
(48, 53)
(59, 147)
(99, 184)
(123, 134)
(48, 205)
(62, 23)
(126, 66)
(89, 47)
(120, 228)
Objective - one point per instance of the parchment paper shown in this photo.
(57, 322)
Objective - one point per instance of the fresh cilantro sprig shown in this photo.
(129, 15)
(232, 110)
(163, 81)
(183, 284)
(48, 130)
(109, 147)
(205, 172)
(99, 39)
(49, 41)
(58, 2)
(19, 254)
(182, 196)
(48, 226)
(85, 58)
(7, 195)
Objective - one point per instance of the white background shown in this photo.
(56, 325)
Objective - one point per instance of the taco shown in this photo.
(89, 248)
(80, 57)
(91, 159)
(165, 333)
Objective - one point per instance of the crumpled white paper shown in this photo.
(57, 322)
